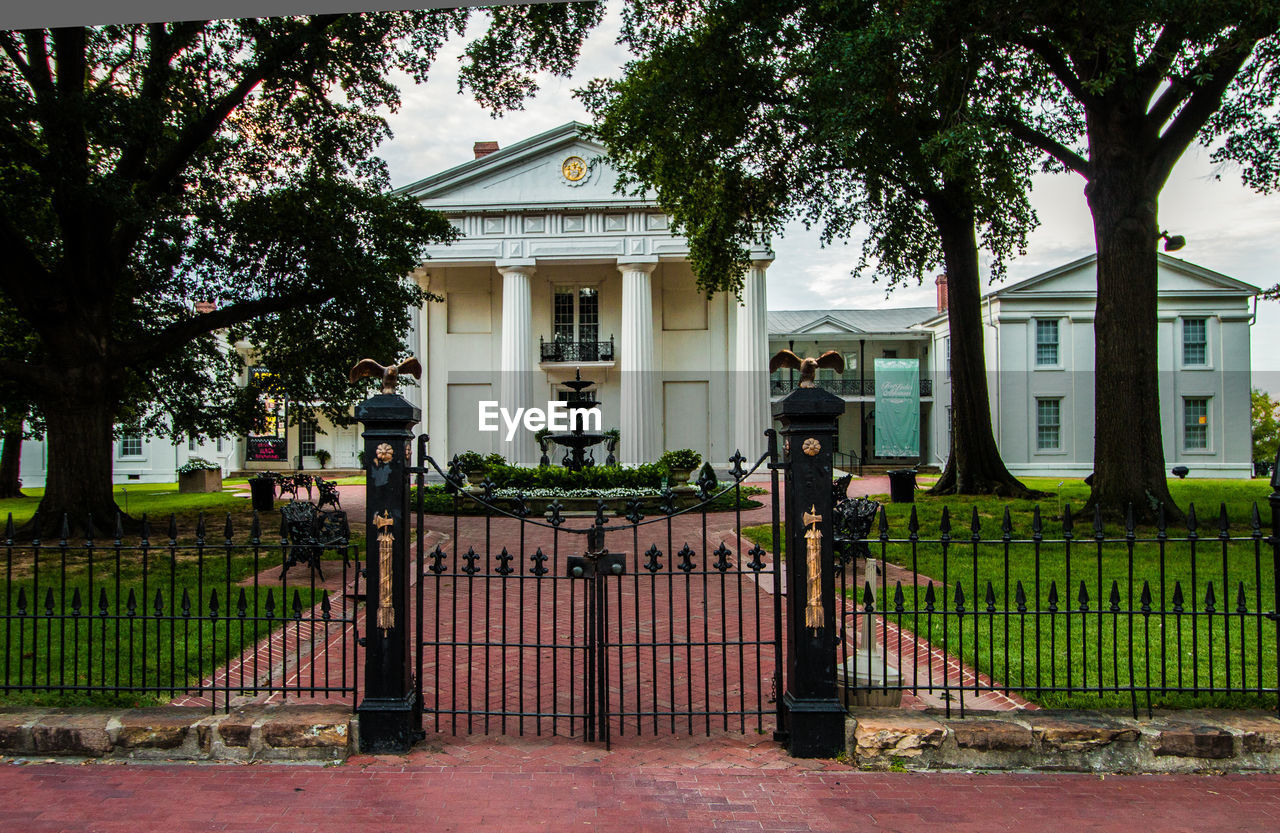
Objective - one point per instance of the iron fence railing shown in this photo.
(576, 351)
(841, 387)
(1083, 615)
(187, 617)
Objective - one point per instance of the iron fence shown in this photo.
(1095, 616)
(186, 617)
(650, 616)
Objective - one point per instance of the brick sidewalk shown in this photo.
(395, 796)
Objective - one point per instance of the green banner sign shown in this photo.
(897, 407)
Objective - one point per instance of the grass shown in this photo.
(1231, 651)
(156, 500)
(166, 610)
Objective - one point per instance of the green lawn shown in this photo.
(157, 500)
(60, 624)
(1232, 649)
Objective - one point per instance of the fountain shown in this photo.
(576, 440)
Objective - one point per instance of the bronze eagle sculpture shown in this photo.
(389, 375)
(808, 367)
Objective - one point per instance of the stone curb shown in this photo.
(1066, 741)
(250, 733)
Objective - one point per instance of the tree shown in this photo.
(1138, 82)
(1264, 415)
(745, 116)
(145, 169)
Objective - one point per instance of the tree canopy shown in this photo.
(148, 169)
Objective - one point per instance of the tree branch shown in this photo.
(1035, 138)
(180, 332)
(38, 61)
(1203, 103)
(1160, 59)
(1058, 64)
(28, 375)
(196, 133)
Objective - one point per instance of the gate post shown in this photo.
(813, 715)
(388, 712)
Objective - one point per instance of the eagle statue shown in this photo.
(389, 375)
(808, 367)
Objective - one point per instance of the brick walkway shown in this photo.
(619, 793)
(692, 651)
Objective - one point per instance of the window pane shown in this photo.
(307, 438)
(1048, 423)
(1195, 423)
(1194, 341)
(1046, 342)
(131, 445)
(588, 314)
(563, 314)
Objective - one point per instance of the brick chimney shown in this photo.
(484, 148)
(942, 292)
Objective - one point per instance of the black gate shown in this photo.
(643, 616)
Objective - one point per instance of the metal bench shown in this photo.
(308, 531)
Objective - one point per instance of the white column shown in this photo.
(515, 385)
(751, 365)
(640, 410)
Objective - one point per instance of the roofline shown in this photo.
(476, 167)
(1233, 284)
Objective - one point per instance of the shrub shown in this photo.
(471, 462)
(680, 459)
(197, 464)
(494, 460)
(323, 456)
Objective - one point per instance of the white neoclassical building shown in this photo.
(556, 274)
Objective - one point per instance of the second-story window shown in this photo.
(1047, 341)
(1195, 341)
(576, 314)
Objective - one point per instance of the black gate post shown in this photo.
(814, 717)
(388, 712)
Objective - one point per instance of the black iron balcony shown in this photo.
(576, 351)
(841, 387)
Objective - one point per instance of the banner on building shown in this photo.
(897, 407)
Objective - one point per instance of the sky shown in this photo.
(1229, 228)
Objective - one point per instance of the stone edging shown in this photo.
(1070, 741)
(249, 733)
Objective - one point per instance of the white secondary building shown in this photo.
(1038, 337)
(555, 273)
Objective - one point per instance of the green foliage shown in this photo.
(323, 457)
(471, 462)
(197, 464)
(1265, 419)
(880, 109)
(493, 460)
(681, 458)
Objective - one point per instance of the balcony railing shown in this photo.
(841, 387)
(576, 351)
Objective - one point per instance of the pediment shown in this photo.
(539, 172)
(1080, 277)
(829, 325)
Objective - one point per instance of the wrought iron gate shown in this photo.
(655, 618)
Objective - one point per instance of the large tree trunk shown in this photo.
(78, 486)
(1128, 456)
(974, 465)
(11, 462)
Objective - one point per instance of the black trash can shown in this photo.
(902, 485)
(263, 493)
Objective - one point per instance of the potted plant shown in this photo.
(199, 475)
(472, 465)
(680, 463)
(323, 457)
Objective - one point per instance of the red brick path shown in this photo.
(616, 793)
